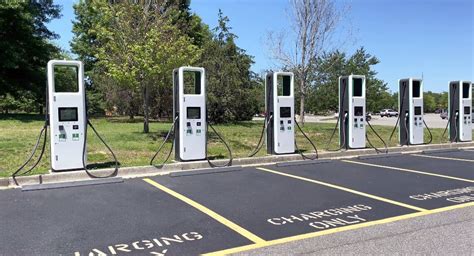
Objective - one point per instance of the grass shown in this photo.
(132, 147)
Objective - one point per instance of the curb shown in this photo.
(141, 171)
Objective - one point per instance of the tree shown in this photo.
(230, 83)
(25, 46)
(335, 64)
(139, 47)
(313, 22)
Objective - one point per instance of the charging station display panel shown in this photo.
(67, 114)
(467, 110)
(418, 111)
(193, 113)
(358, 111)
(190, 109)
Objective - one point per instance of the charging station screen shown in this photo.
(417, 111)
(358, 111)
(465, 90)
(193, 113)
(68, 114)
(357, 87)
(467, 110)
(285, 112)
(416, 89)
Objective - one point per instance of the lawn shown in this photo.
(132, 147)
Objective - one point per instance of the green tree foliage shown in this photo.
(231, 86)
(25, 47)
(139, 47)
(324, 86)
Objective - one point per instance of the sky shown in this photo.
(433, 39)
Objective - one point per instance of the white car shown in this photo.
(388, 113)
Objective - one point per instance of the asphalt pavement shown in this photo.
(384, 204)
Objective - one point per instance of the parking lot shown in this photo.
(432, 120)
(238, 210)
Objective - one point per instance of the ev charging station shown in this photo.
(279, 105)
(410, 106)
(351, 119)
(190, 124)
(189, 113)
(67, 116)
(459, 111)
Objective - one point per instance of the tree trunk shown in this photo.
(302, 98)
(146, 121)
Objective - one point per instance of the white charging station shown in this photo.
(189, 108)
(279, 107)
(410, 106)
(459, 111)
(352, 128)
(67, 115)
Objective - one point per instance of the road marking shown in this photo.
(245, 233)
(444, 158)
(337, 230)
(386, 200)
(409, 170)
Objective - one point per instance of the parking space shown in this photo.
(127, 218)
(459, 155)
(457, 170)
(424, 191)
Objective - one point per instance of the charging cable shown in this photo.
(163, 144)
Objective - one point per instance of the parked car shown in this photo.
(388, 113)
(444, 114)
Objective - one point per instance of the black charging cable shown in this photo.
(44, 130)
(260, 141)
(399, 116)
(341, 146)
(163, 144)
(343, 117)
(380, 138)
(449, 121)
(84, 164)
(311, 142)
(229, 163)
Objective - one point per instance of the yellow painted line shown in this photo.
(409, 170)
(386, 200)
(444, 158)
(245, 233)
(337, 230)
